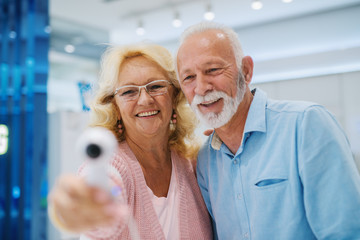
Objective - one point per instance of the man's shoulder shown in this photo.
(206, 144)
(289, 106)
(205, 149)
(298, 112)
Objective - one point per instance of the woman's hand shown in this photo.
(80, 207)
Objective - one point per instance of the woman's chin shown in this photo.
(151, 130)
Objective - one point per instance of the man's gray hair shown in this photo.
(229, 33)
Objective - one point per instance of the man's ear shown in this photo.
(247, 68)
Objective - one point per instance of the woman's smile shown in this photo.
(147, 113)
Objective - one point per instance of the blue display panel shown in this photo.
(24, 65)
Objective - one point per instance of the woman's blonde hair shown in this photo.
(104, 109)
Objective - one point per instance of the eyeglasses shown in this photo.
(132, 92)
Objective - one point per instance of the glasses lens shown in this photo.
(157, 87)
(154, 88)
(128, 93)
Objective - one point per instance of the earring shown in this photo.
(120, 126)
(173, 117)
(173, 121)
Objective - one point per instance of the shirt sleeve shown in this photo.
(331, 182)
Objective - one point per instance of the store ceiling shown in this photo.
(90, 24)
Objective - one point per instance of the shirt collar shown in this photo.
(216, 141)
(255, 120)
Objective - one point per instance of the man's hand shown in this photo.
(208, 132)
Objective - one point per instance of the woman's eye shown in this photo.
(128, 92)
(155, 87)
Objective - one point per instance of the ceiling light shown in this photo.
(256, 5)
(177, 21)
(69, 48)
(287, 1)
(140, 30)
(209, 14)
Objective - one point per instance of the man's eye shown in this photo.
(212, 70)
(188, 77)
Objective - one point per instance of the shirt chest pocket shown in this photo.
(270, 181)
(270, 193)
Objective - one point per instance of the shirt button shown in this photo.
(239, 196)
(246, 235)
(235, 162)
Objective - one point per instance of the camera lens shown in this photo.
(93, 150)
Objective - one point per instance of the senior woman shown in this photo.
(140, 101)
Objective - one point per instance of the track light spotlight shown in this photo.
(209, 14)
(140, 30)
(256, 4)
(177, 21)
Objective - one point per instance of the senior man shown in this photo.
(271, 169)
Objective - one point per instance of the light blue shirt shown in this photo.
(293, 177)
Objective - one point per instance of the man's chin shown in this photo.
(211, 121)
(207, 114)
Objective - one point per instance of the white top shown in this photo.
(167, 209)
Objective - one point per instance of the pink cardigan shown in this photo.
(194, 219)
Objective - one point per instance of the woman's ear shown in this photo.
(247, 68)
(175, 96)
(119, 123)
(117, 110)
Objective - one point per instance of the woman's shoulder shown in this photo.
(123, 163)
(184, 162)
(123, 154)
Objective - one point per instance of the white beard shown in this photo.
(216, 120)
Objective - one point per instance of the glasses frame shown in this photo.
(143, 86)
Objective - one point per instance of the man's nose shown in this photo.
(203, 85)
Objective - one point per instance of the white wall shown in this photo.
(64, 129)
(65, 73)
(339, 93)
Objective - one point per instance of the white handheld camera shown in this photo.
(96, 146)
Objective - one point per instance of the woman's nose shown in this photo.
(144, 97)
